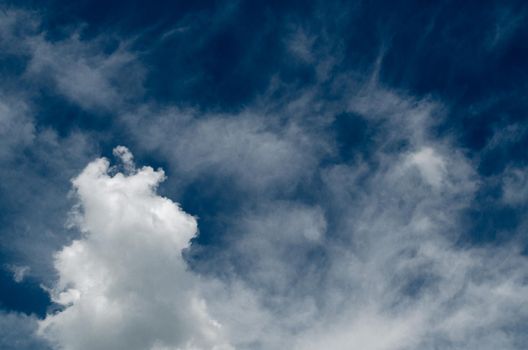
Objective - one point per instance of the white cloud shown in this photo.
(17, 332)
(274, 241)
(388, 274)
(124, 284)
(82, 73)
(17, 129)
(19, 272)
(515, 186)
(506, 23)
(371, 262)
(126, 158)
(301, 45)
(398, 281)
(89, 73)
(35, 183)
(247, 146)
(430, 164)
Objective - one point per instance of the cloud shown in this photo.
(34, 189)
(507, 22)
(392, 269)
(82, 73)
(17, 129)
(17, 332)
(401, 274)
(126, 158)
(300, 45)
(385, 271)
(95, 74)
(19, 272)
(430, 165)
(515, 186)
(36, 160)
(250, 146)
(273, 234)
(124, 284)
(321, 252)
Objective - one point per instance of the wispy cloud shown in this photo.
(95, 73)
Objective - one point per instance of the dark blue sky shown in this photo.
(260, 108)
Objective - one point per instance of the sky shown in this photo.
(262, 175)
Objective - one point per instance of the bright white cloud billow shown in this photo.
(124, 284)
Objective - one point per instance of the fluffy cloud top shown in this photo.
(124, 284)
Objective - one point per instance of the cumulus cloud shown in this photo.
(124, 284)
(126, 158)
(373, 260)
(391, 279)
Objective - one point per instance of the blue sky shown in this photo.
(263, 175)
